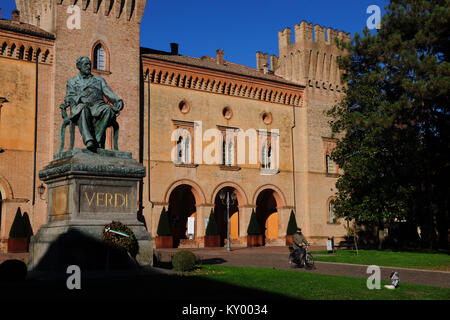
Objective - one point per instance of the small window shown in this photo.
(228, 150)
(183, 138)
(269, 150)
(331, 166)
(184, 148)
(184, 107)
(227, 113)
(99, 58)
(331, 216)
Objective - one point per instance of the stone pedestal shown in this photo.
(86, 191)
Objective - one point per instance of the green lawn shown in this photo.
(432, 261)
(311, 286)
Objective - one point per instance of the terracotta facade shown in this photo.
(165, 91)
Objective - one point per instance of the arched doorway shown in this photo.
(182, 205)
(267, 214)
(220, 213)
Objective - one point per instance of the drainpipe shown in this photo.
(148, 138)
(293, 160)
(35, 129)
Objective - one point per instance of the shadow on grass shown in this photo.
(124, 280)
(149, 287)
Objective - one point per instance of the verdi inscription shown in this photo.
(106, 199)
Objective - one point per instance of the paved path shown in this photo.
(277, 257)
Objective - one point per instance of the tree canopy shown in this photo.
(394, 121)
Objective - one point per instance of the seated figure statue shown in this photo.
(88, 110)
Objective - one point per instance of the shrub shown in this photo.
(211, 229)
(163, 225)
(18, 228)
(13, 270)
(253, 226)
(118, 241)
(183, 261)
(292, 224)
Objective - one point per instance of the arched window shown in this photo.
(99, 58)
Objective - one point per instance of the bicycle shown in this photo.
(307, 261)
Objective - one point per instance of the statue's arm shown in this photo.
(111, 96)
(71, 96)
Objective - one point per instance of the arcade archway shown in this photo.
(182, 206)
(267, 214)
(220, 213)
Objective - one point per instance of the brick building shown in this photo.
(177, 109)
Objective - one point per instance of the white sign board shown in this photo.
(191, 225)
(329, 246)
(206, 223)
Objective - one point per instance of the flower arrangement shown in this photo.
(120, 236)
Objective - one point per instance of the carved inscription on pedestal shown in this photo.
(106, 199)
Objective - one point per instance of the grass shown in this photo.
(418, 260)
(310, 286)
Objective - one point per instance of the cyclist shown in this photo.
(299, 242)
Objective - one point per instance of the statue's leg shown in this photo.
(62, 135)
(72, 135)
(115, 126)
(84, 125)
(103, 121)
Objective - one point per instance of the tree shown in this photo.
(253, 226)
(211, 229)
(163, 225)
(18, 227)
(292, 224)
(395, 121)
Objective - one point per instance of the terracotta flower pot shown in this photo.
(164, 242)
(16, 245)
(254, 240)
(212, 241)
(289, 240)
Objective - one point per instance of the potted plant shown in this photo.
(164, 238)
(18, 237)
(291, 228)
(212, 237)
(254, 236)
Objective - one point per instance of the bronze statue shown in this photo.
(88, 110)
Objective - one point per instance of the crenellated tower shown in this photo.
(312, 59)
(108, 32)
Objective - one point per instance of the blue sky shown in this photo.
(240, 28)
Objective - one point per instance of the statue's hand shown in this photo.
(117, 107)
(63, 111)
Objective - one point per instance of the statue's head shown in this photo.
(84, 65)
